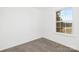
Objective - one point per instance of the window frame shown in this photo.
(60, 33)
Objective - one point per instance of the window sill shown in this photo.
(65, 34)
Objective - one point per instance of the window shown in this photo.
(64, 21)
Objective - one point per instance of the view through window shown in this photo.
(64, 20)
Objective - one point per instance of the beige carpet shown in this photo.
(40, 45)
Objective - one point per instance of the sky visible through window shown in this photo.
(66, 15)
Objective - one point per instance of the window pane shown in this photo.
(66, 15)
(63, 27)
(58, 18)
(58, 29)
(68, 27)
(58, 25)
(69, 31)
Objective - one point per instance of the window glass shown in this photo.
(64, 20)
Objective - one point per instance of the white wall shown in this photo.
(19, 25)
(50, 28)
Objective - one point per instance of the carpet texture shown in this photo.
(40, 45)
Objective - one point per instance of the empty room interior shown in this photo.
(39, 29)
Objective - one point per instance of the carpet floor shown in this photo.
(40, 45)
